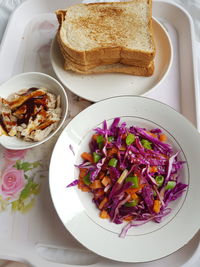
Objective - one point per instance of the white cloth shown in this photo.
(7, 7)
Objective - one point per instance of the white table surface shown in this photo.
(192, 6)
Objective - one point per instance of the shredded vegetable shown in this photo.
(132, 173)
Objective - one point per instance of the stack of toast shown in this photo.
(107, 37)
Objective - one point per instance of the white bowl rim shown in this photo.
(61, 87)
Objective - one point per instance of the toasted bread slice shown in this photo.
(86, 68)
(91, 65)
(107, 32)
(115, 68)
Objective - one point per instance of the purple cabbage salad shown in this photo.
(132, 173)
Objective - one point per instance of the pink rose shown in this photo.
(12, 183)
(13, 155)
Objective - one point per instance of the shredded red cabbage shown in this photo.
(132, 173)
(75, 182)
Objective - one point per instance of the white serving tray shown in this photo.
(25, 47)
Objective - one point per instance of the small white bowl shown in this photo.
(28, 80)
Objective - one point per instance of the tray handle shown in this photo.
(33, 255)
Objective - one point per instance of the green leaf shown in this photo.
(19, 205)
(130, 139)
(146, 144)
(100, 139)
(17, 165)
(36, 189)
(30, 188)
(15, 205)
(26, 166)
(26, 192)
(133, 203)
(26, 208)
(111, 138)
(86, 179)
(36, 164)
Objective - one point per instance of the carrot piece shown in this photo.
(128, 218)
(134, 190)
(101, 175)
(156, 206)
(112, 151)
(80, 184)
(124, 136)
(106, 180)
(83, 187)
(98, 193)
(103, 202)
(134, 196)
(152, 134)
(87, 156)
(83, 172)
(130, 190)
(94, 137)
(122, 148)
(96, 184)
(165, 156)
(104, 214)
(163, 138)
(153, 169)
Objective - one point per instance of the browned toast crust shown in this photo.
(115, 68)
(85, 67)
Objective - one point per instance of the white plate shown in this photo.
(75, 208)
(97, 87)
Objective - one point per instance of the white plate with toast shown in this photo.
(80, 216)
(96, 87)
